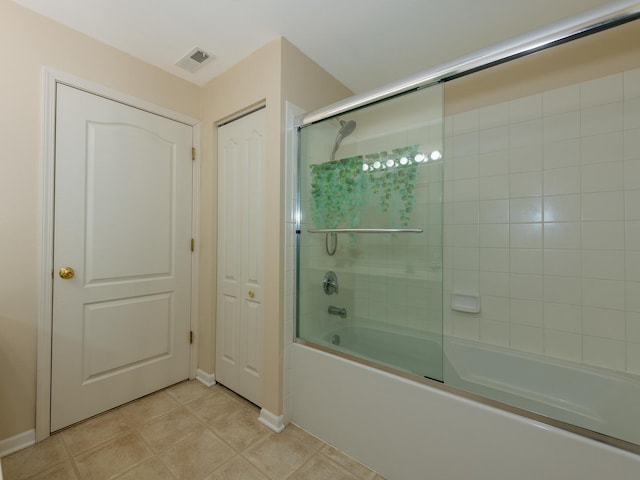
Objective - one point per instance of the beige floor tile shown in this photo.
(279, 455)
(214, 406)
(120, 444)
(64, 471)
(237, 468)
(240, 428)
(197, 456)
(321, 468)
(113, 458)
(148, 408)
(188, 391)
(348, 463)
(152, 469)
(170, 428)
(35, 459)
(93, 432)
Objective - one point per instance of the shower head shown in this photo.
(346, 129)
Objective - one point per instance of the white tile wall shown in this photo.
(541, 220)
(608, 147)
(556, 254)
(566, 99)
(564, 153)
(565, 345)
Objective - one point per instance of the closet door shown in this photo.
(239, 321)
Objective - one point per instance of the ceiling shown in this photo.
(362, 43)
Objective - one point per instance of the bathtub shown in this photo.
(412, 351)
(590, 398)
(414, 430)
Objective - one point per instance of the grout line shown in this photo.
(135, 428)
(104, 441)
(70, 457)
(219, 468)
(103, 444)
(306, 461)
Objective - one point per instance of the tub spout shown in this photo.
(340, 311)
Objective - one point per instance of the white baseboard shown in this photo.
(207, 379)
(271, 421)
(17, 442)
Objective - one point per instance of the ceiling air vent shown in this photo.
(194, 59)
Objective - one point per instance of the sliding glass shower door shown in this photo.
(370, 233)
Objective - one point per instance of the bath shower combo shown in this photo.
(389, 202)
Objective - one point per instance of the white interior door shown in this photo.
(123, 196)
(239, 323)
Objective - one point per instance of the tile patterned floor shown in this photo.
(187, 431)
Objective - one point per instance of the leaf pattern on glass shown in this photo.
(340, 188)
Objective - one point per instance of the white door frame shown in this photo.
(45, 309)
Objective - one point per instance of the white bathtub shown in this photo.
(592, 398)
(407, 430)
(409, 350)
(595, 399)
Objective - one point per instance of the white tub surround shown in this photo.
(589, 398)
(592, 398)
(406, 430)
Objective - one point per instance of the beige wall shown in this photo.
(28, 42)
(305, 83)
(252, 82)
(272, 75)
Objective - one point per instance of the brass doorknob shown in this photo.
(251, 294)
(66, 273)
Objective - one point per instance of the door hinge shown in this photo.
(191, 338)
(193, 153)
(193, 245)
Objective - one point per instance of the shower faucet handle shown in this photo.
(330, 283)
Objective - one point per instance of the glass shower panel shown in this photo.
(370, 233)
(545, 243)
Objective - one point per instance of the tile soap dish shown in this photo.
(465, 303)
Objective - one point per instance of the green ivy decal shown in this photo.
(337, 189)
(340, 188)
